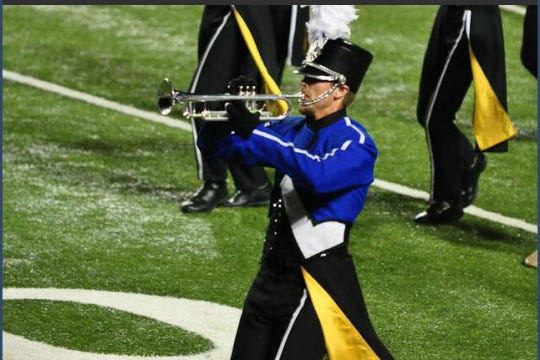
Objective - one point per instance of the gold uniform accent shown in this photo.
(342, 339)
(491, 123)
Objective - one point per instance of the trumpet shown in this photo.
(168, 97)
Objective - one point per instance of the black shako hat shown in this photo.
(336, 60)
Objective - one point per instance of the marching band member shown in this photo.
(466, 45)
(223, 55)
(306, 301)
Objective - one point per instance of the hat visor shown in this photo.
(314, 73)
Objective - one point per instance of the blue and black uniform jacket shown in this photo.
(325, 168)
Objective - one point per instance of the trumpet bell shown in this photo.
(165, 97)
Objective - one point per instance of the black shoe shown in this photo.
(440, 212)
(469, 179)
(207, 197)
(247, 198)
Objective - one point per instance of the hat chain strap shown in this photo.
(321, 97)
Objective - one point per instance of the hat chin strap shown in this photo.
(321, 97)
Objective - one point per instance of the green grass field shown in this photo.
(91, 196)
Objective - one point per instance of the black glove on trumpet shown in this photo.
(242, 120)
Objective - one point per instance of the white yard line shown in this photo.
(94, 100)
(146, 115)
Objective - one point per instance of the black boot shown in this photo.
(207, 197)
(469, 179)
(255, 197)
(440, 212)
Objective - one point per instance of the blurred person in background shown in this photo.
(224, 55)
(529, 45)
(466, 44)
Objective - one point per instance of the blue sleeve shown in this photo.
(350, 164)
(217, 140)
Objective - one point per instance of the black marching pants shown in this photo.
(279, 321)
(446, 77)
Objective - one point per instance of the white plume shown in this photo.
(330, 21)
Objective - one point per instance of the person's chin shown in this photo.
(305, 110)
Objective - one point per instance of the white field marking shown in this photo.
(471, 210)
(514, 8)
(215, 322)
(94, 100)
(397, 188)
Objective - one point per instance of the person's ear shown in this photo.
(341, 91)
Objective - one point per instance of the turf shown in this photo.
(90, 196)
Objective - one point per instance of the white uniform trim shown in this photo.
(292, 30)
(303, 151)
(360, 133)
(285, 144)
(311, 238)
(467, 19)
(345, 145)
(290, 326)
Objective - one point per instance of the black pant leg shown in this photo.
(247, 177)
(303, 338)
(208, 168)
(446, 77)
(223, 56)
(216, 66)
(268, 308)
(254, 333)
(529, 43)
